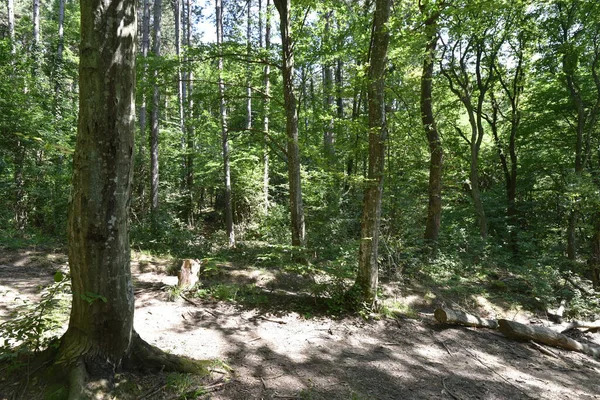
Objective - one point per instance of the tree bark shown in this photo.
(154, 138)
(293, 152)
(224, 132)
(434, 209)
(367, 277)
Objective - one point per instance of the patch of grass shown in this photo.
(395, 309)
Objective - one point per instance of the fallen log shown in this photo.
(516, 330)
(449, 316)
(582, 325)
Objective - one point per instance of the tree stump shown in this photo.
(188, 275)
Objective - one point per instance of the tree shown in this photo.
(267, 99)
(100, 337)
(434, 209)
(291, 113)
(467, 62)
(224, 132)
(367, 277)
(155, 134)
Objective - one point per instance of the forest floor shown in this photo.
(279, 350)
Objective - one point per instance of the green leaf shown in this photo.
(58, 276)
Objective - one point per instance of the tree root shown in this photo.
(147, 358)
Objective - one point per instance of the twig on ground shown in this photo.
(152, 392)
(188, 300)
(454, 396)
(211, 313)
(263, 382)
(544, 350)
(253, 340)
(446, 347)
(271, 320)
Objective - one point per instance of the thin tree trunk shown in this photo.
(154, 139)
(190, 114)
(434, 209)
(180, 95)
(248, 69)
(61, 33)
(10, 9)
(145, 47)
(224, 132)
(328, 98)
(267, 103)
(291, 112)
(20, 206)
(594, 261)
(367, 277)
(36, 25)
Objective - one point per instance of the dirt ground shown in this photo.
(286, 355)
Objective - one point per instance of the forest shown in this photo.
(357, 151)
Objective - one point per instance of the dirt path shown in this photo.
(290, 357)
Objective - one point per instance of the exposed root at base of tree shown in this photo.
(91, 376)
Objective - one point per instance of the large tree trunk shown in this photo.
(291, 112)
(101, 324)
(434, 209)
(367, 277)
(154, 139)
(100, 337)
(224, 132)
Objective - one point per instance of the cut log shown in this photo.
(448, 316)
(515, 330)
(188, 275)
